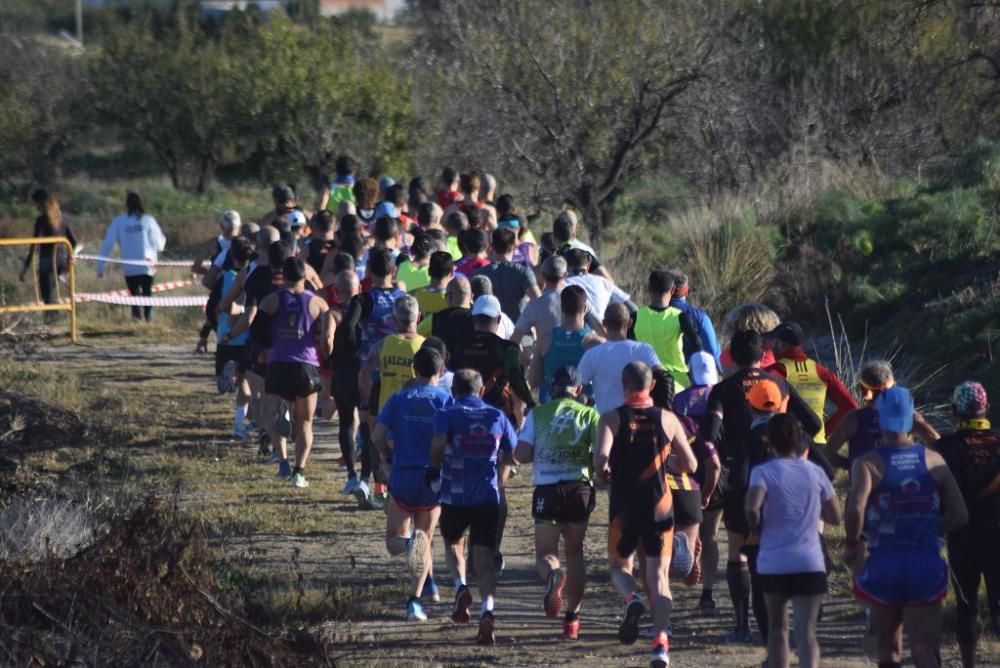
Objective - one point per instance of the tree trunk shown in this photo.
(205, 171)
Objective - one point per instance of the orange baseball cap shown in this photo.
(765, 396)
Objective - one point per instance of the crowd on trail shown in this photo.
(454, 346)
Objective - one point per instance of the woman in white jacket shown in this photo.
(140, 240)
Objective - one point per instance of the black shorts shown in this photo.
(225, 354)
(734, 514)
(794, 584)
(254, 356)
(687, 507)
(625, 537)
(564, 502)
(481, 520)
(291, 380)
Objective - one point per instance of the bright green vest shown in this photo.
(662, 330)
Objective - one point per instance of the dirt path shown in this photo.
(318, 547)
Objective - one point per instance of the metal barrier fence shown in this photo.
(70, 305)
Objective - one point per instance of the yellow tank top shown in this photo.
(396, 364)
(431, 300)
(412, 276)
(662, 330)
(802, 376)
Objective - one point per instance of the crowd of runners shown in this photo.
(453, 345)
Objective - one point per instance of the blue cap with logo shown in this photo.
(895, 410)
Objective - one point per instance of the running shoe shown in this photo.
(380, 501)
(431, 589)
(284, 469)
(694, 577)
(707, 607)
(463, 599)
(660, 657)
(628, 632)
(363, 495)
(415, 611)
(486, 635)
(571, 629)
(241, 433)
(299, 480)
(739, 636)
(283, 423)
(224, 381)
(682, 561)
(350, 486)
(416, 552)
(553, 601)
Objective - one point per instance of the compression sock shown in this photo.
(459, 583)
(297, 469)
(239, 417)
(572, 616)
(738, 579)
(706, 594)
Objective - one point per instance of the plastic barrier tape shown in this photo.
(144, 263)
(128, 300)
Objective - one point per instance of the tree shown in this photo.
(576, 93)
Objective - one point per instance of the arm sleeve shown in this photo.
(757, 478)
(159, 241)
(838, 394)
(690, 331)
(515, 374)
(711, 423)
(107, 245)
(709, 341)
(818, 457)
(260, 329)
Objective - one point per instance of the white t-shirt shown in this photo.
(602, 365)
(600, 292)
(789, 539)
(506, 328)
(544, 313)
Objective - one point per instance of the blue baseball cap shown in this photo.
(895, 410)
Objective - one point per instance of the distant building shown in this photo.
(385, 10)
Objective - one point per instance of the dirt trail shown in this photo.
(348, 552)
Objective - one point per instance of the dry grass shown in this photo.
(39, 529)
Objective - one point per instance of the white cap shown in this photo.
(487, 305)
(703, 370)
(230, 220)
(296, 218)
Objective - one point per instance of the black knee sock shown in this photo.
(572, 616)
(759, 607)
(738, 579)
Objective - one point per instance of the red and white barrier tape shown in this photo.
(144, 263)
(159, 287)
(128, 300)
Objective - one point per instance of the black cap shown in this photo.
(788, 332)
(566, 376)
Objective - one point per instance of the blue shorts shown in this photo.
(410, 490)
(894, 577)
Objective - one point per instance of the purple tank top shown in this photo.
(522, 254)
(867, 434)
(293, 330)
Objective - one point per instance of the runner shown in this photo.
(690, 406)
(447, 188)
(567, 343)
(432, 297)
(391, 360)
(703, 323)
(341, 190)
(635, 443)
(813, 381)
(788, 496)
(414, 272)
(139, 238)
(726, 425)
(748, 318)
(564, 231)
(513, 283)
(345, 363)
(860, 429)
(366, 199)
(52, 259)
(602, 365)
(600, 291)
(498, 362)
(231, 357)
(471, 453)
(669, 330)
(216, 254)
(455, 226)
(972, 454)
(453, 325)
(558, 437)
(373, 311)
(322, 242)
(403, 436)
(292, 331)
(474, 243)
(902, 496)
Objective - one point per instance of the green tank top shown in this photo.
(661, 328)
(412, 276)
(563, 437)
